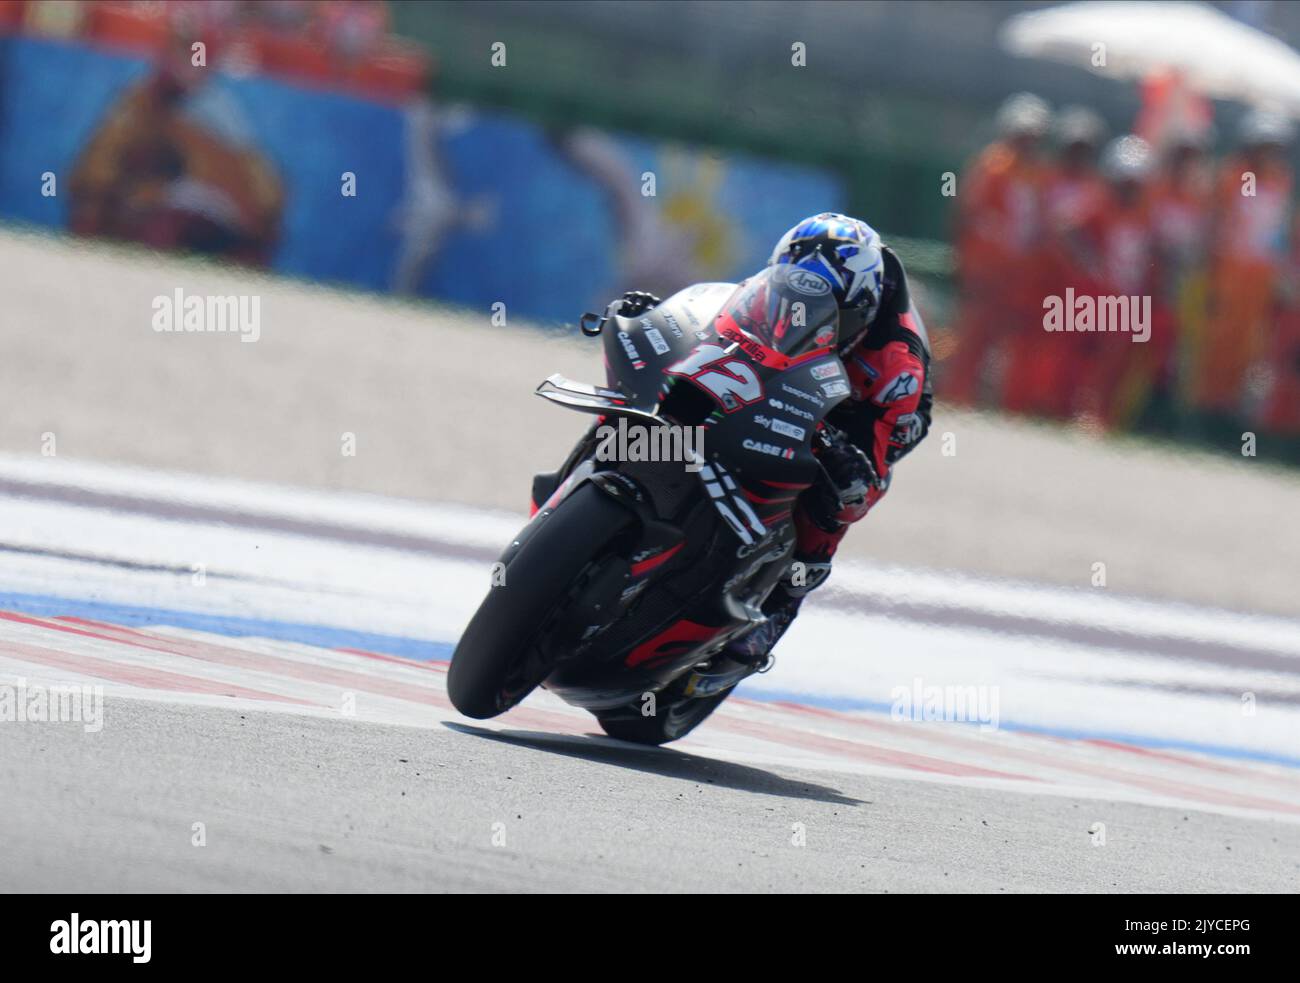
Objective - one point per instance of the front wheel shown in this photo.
(500, 657)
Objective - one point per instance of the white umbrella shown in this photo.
(1216, 55)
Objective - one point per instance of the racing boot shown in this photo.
(755, 646)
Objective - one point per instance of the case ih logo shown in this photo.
(630, 349)
(772, 449)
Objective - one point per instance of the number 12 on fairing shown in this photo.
(732, 382)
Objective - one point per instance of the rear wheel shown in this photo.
(677, 720)
(502, 656)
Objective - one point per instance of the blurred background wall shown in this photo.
(548, 156)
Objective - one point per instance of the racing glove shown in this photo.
(637, 302)
(850, 477)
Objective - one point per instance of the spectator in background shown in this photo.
(1281, 411)
(353, 29)
(1180, 203)
(1116, 250)
(1247, 249)
(1042, 367)
(1180, 214)
(1171, 109)
(997, 228)
(1073, 184)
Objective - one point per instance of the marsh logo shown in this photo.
(240, 315)
(807, 282)
(1088, 313)
(104, 937)
(798, 411)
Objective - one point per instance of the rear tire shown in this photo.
(497, 661)
(628, 724)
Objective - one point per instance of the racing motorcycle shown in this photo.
(624, 589)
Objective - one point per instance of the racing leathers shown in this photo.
(886, 415)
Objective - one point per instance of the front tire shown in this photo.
(499, 659)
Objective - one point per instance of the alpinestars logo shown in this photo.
(900, 387)
(907, 430)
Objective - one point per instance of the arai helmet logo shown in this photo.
(810, 283)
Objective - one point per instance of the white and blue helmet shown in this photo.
(844, 250)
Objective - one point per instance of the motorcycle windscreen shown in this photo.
(784, 308)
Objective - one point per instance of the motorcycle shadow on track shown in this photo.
(667, 762)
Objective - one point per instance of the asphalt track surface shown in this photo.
(305, 804)
(292, 701)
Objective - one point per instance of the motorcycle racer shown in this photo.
(830, 320)
(886, 352)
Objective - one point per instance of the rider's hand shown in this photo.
(637, 302)
(852, 476)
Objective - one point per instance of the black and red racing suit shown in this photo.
(887, 412)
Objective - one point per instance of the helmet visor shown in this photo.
(789, 310)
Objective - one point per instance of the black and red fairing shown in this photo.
(755, 366)
(759, 358)
(773, 375)
(638, 350)
(760, 452)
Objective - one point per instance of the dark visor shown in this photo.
(787, 309)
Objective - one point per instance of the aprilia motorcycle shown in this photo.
(622, 592)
